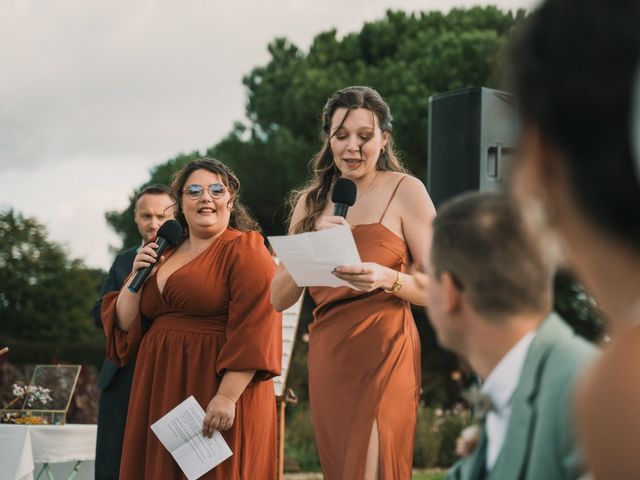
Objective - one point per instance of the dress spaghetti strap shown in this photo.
(391, 198)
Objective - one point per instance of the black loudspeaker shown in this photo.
(473, 134)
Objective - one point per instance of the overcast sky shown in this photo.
(95, 93)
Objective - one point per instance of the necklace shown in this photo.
(366, 190)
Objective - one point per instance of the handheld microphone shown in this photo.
(168, 235)
(343, 196)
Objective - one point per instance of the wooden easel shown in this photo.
(290, 319)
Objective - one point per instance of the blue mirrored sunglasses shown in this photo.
(195, 191)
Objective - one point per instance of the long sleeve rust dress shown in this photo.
(364, 365)
(213, 315)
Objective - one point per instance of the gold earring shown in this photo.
(381, 150)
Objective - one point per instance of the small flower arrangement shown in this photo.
(468, 440)
(45, 399)
(480, 405)
(32, 395)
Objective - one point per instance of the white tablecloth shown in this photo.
(24, 446)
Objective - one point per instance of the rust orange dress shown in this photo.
(364, 365)
(213, 315)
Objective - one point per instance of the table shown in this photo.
(22, 447)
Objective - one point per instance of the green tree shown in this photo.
(44, 295)
(122, 221)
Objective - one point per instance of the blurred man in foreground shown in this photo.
(490, 301)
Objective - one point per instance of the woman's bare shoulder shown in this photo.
(406, 183)
(412, 194)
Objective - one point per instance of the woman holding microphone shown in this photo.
(213, 334)
(364, 350)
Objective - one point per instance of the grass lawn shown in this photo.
(429, 475)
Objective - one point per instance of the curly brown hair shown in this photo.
(240, 218)
(323, 169)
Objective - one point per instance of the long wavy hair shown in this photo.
(240, 218)
(323, 169)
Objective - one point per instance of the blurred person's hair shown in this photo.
(572, 68)
(323, 169)
(482, 242)
(240, 218)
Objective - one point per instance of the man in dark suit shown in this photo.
(154, 205)
(490, 301)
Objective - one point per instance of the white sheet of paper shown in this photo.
(180, 431)
(310, 257)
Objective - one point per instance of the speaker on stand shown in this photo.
(473, 134)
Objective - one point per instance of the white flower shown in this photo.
(18, 390)
(33, 394)
(480, 404)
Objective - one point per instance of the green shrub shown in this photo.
(299, 442)
(452, 422)
(436, 434)
(24, 351)
(427, 440)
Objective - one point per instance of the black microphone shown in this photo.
(343, 196)
(169, 234)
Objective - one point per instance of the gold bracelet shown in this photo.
(227, 397)
(397, 285)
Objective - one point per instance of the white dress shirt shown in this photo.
(500, 386)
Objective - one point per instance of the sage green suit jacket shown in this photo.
(540, 442)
